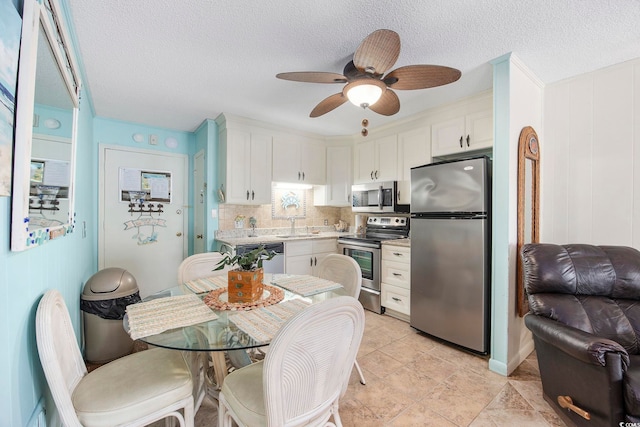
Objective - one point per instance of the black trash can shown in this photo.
(103, 303)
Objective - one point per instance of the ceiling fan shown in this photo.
(366, 84)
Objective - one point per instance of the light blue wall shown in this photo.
(64, 263)
(206, 137)
(500, 223)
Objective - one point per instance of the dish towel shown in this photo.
(263, 323)
(159, 315)
(304, 285)
(207, 284)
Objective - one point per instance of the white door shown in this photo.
(147, 243)
(200, 192)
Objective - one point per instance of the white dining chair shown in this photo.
(304, 373)
(346, 271)
(200, 265)
(134, 390)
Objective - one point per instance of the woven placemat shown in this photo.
(213, 299)
(263, 323)
(304, 285)
(207, 284)
(159, 315)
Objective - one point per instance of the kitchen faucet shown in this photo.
(293, 225)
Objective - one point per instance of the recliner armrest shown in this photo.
(578, 344)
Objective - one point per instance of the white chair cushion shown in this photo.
(130, 387)
(243, 391)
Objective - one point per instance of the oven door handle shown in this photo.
(369, 290)
(351, 244)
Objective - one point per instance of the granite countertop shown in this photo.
(406, 243)
(234, 241)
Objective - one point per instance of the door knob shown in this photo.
(199, 236)
(178, 234)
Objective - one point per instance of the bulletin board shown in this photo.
(137, 185)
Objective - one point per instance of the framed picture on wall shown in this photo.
(10, 29)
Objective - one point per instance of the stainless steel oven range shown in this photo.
(366, 249)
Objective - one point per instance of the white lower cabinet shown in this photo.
(396, 280)
(303, 256)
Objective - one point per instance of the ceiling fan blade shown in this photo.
(387, 105)
(377, 52)
(421, 76)
(313, 77)
(328, 104)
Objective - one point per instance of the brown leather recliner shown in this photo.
(585, 317)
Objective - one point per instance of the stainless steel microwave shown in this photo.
(376, 197)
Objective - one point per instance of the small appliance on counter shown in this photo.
(361, 223)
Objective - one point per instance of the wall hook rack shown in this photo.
(146, 208)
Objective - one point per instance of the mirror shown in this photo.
(528, 204)
(46, 116)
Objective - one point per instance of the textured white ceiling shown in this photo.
(175, 63)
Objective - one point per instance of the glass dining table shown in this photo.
(225, 333)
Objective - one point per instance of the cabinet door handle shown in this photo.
(298, 176)
(397, 274)
(397, 254)
(468, 140)
(247, 194)
(253, 195)
(371, 175)
(376, 174)
(311, 262)
(303, 176)
(460, 142)
(396, 299)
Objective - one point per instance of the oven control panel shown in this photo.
(387, 221)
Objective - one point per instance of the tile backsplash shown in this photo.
(315, 215)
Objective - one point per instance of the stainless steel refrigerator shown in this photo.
(451, 251)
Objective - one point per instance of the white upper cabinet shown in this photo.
(377, 160)
(466, 126)
(244, 165)
(414, 149)
(337, 190)
(298, 159)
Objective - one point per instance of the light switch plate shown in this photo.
(153, 139)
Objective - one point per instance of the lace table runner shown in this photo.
(263, 323)
(305, 285)
(207, 284)
(158, 315)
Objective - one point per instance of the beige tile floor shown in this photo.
(413, 380)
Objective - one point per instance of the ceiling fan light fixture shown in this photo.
(364, 93)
